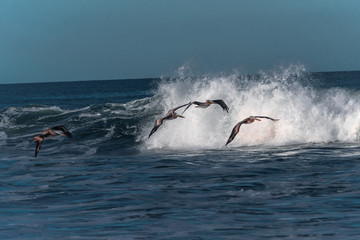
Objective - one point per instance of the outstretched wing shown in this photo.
(174, 109)
(63, 129)
(188, 105)
(156, 126)
(222, 104)
(272, 119)
(234, 132)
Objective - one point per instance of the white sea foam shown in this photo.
(89, 115)
(3, 138)
(306, 114)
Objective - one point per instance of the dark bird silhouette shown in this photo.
(171, 115)
(207, 103)
(248, 120)
(50, 132)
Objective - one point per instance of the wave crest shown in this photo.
(307, 114)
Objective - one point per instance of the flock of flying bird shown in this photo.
(171, 115)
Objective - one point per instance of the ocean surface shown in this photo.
(298, 178)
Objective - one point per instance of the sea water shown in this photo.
(297, 178)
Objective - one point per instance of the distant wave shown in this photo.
(307, 114)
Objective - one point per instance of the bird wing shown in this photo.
(235, 131)
(198, 103)
(38, 146)
(157, 124)
(222, 104)
(153, 130)
(159, 121)
(272, 119)
(63, 129)
(174, 109)
(188, 105)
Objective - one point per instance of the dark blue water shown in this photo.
(297, 178)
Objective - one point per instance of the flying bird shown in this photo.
(171, 115)
(50, 132)
(248, 120)
(207, 103)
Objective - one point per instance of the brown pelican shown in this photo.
(207, 103)
(50, 132)
(169, 116)
(248, 120)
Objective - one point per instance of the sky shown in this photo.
(72, 40)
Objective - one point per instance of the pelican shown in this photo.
(207, 103)
(50, 132)
(171, 115)
(248, 120)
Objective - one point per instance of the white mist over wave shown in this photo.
(307, 114)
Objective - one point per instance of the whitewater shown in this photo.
(297, 178)
(308, 115)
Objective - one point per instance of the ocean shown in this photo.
(297, 178)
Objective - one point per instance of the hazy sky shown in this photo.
(64, 40)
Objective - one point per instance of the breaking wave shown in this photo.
(307, 114)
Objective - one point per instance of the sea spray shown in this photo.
(311, 109)
(307, 114)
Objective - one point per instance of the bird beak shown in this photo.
(257, 119)
(180, 116)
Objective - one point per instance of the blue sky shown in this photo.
(66, 40)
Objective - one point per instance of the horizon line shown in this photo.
(147, 78)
